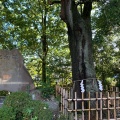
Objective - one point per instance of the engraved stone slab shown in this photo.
(13, 74)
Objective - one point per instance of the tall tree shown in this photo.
(44, 41)
(80, 43)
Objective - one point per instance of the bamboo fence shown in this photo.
(107, 104)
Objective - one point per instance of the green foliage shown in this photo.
(22, 107)
(22, 26)
(37, 110)
(118, 83)
(47, 90)
(58, 98)
(67, 83)
(106, 44)
(17, 100)
(3, 93)
(106, 17)
(7, 113)
(62, 117)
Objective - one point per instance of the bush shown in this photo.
(3, 93)
(17, 100)
(7, 113)
(47, 90)
(22, 107)
(38, 110)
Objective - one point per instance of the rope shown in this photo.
(84, 79)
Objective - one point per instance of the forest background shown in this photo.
(36, 29)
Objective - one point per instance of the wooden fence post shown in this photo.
(115, 105)
(117, 95)
(82, 106)
(61, 93)
(71, 116)
(89, 106)
(108, 105)
(75, 106)
(63, 100)
(96, 105)
(66, 103)
(101, 106)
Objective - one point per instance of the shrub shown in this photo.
(3, 93)
(47, 90)
(17, 100)
(23, 107)
(7, 113)
(38, 110)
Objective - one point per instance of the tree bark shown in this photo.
(44, 43)
(80, 44)
(44, 48)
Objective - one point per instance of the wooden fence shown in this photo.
(107, 104)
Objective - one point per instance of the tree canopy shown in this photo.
(106, 31)
(24, 23)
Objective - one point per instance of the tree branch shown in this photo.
(87, 9)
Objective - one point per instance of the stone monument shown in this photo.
(13, 74)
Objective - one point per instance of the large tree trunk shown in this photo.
(44, 43)
(44, 48)
(80, 44)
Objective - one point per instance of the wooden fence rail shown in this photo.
(107, 105)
